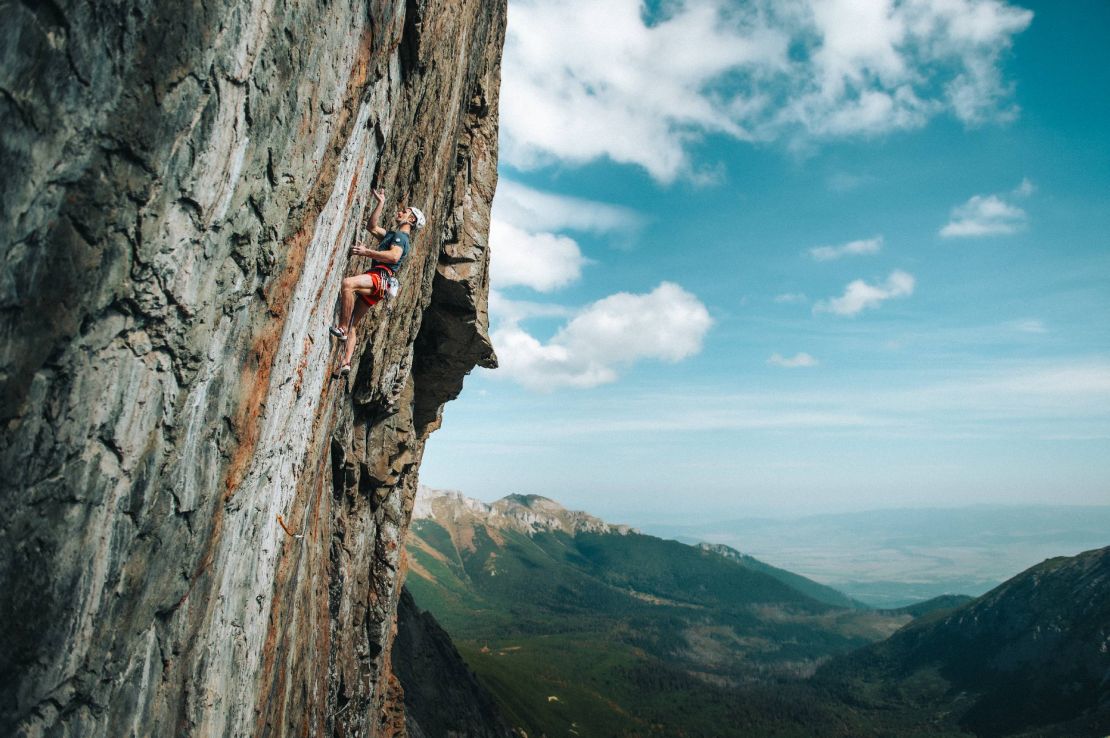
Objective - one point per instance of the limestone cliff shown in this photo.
(180, 183)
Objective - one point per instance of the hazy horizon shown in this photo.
(592, 505)
(891, 557)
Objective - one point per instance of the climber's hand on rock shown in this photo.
(360, 251)
(379, 195)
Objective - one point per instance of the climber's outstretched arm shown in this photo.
(376, 215)
(392, 255)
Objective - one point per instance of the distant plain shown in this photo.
(896, 557)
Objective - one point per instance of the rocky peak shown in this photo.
(528, 514)
(726, 551)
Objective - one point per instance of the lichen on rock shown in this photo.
(180, 185)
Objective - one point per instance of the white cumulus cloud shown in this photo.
(989, 215)
(859, 295)
(542, 261)
(796, 361)
(667, 324)
(984, 215)
(590, 79)
(852, 248)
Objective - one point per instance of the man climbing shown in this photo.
(380, 279)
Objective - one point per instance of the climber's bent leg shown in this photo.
(360, 309)
(360, 283)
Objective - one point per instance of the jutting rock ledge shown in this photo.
(180, 183)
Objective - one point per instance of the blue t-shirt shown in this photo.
(400, 239)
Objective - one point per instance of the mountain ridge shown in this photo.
(526, 514)
(818, 591)
(1032, 656)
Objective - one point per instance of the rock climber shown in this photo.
(380, 280)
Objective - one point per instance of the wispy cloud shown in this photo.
(859, 295)
(666, 324)
(790, 298)
(536, 210)
(514, 311)
(1040, 399)
(989, 215)
(796, 361)
(852, 248)
(1061, 382)
(841, 182)
(735, 416)
(624, 89)
(526, 249)
(1025, 189)
(1029, 325)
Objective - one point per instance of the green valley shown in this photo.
(580, 627)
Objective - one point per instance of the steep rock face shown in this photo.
(180, 184)
(442, 695)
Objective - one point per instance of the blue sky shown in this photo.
(780, 258)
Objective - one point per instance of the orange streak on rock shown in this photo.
(297, 558)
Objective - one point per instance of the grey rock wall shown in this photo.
(443, 697)
(180, 183)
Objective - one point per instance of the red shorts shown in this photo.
(379, 276)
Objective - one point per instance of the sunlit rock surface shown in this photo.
(180, 184)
